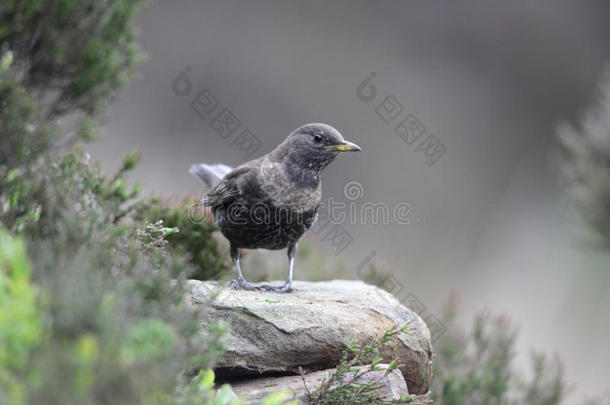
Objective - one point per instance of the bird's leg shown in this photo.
(287, 287)
(240, 283)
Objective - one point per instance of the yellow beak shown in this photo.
(344, 147)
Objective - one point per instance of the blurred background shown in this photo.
(491, 81)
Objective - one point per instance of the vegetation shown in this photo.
(109, 323)
(476, 367)
(583, 163)
(345, 385)
(195, 239)
(92, 306)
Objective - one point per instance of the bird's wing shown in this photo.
(228, 188)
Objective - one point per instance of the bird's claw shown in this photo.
(286, 288)
(243, 285)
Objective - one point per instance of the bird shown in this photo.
(272, 201)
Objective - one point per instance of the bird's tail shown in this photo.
(210, 174)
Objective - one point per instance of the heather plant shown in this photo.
(92, 307)
(196, 238)
(345, 384)
(20, 320)
(476, 366)
(72, 55)
(117, 328)
(583, 162)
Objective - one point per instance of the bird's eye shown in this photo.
(318, 138)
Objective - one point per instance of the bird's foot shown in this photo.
(241, 284)
(286, 288)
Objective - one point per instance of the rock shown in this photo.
(253, 390)
(311, 327)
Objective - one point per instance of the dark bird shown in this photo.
(270, 202)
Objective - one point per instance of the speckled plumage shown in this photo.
(270, 202)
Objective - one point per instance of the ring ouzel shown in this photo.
(270, 202)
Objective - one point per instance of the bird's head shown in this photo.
(314, 146)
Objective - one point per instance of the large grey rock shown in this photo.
(393, 385)
(311, 327)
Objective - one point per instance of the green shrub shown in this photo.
(476, 367)
(20, 323)
(195, 238)
(77, 52)
(583, 163)
(101, 318)
(24, 133)
(117, 327)
(344, 385)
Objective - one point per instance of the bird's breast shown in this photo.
(284, 192)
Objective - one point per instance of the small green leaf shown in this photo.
(207, 378)
(6, 61)
(392, 365)
(277, 398)
(131, 159)
(224, 395)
